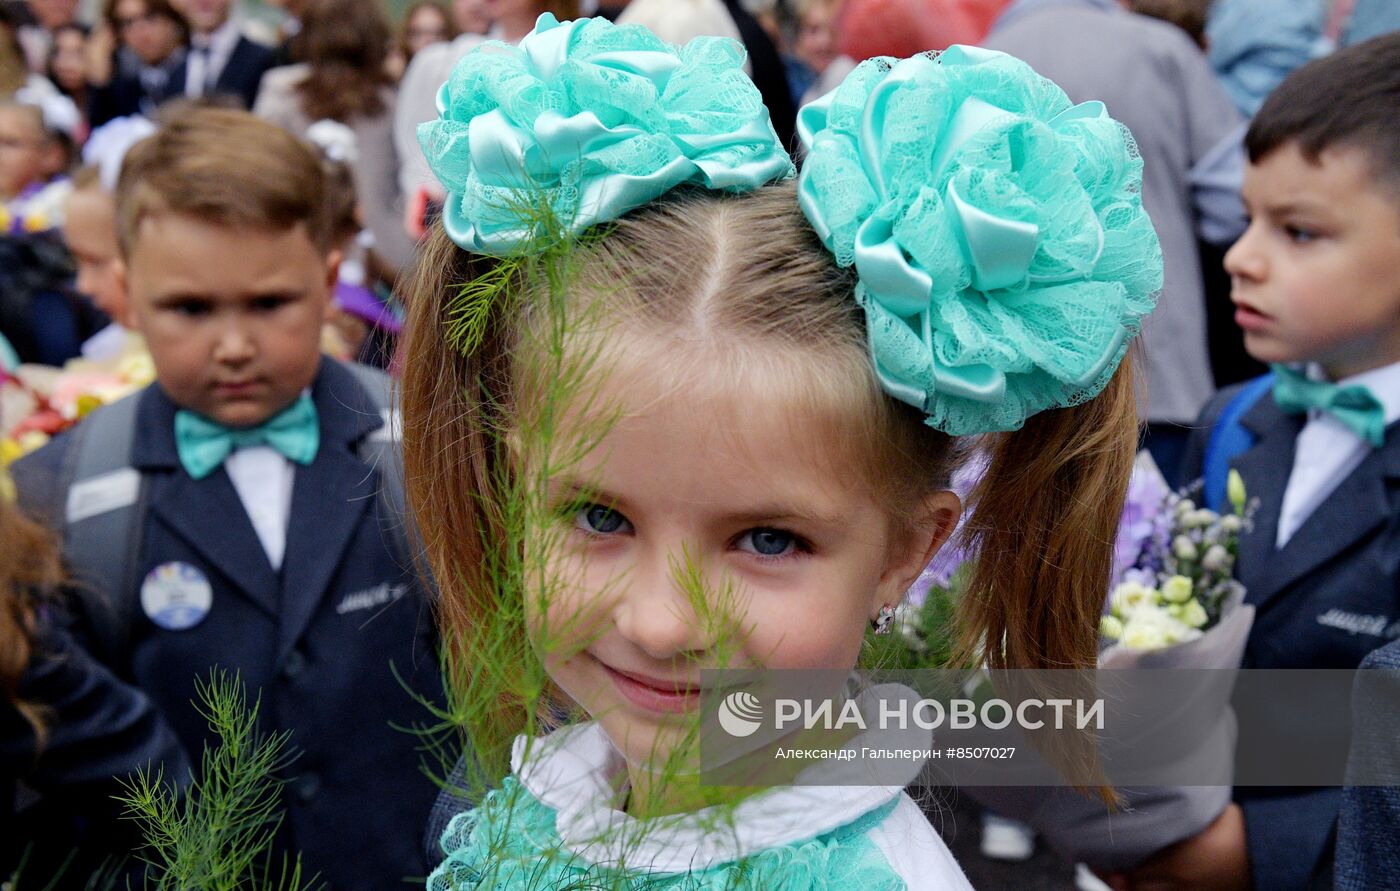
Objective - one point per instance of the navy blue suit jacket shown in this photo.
(242, 73)
(321, 641)
(1368, 834)
(1343, 562)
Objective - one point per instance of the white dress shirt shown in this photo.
(209, 53)
(263, 479)
(1327, 451)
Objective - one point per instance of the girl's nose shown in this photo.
(663, 612)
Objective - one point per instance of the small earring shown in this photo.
(882, 622)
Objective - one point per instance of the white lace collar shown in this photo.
(570, 770)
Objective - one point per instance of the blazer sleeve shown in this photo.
(1368, 832)
(100, 730)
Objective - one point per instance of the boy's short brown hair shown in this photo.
(226, 167)
(1350, 98)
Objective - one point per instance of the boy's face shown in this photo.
(232, 317)
(90, 231)
(1316, 276)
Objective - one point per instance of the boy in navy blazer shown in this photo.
(265, 546)
(1316, 286)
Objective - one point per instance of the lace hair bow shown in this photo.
(997, 229)
(591, 120)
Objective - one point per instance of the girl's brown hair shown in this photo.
(345, 43)
(746, 274)
(29, 567)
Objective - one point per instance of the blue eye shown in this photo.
(1299, 236)
(599, 520)
(769, 542)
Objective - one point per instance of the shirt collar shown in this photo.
(222, 39)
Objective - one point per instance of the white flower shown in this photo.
(1194, 614)
(1110, 627)
(1177, 589)
(1185, 506)
(1153, 629)
(1231, 523)
(1217, 559)
(1129, 597)
(1199, 519)
(1184, 548)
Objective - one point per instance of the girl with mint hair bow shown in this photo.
(667, 411)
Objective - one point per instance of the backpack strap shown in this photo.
(1229, 438)
(103, 502)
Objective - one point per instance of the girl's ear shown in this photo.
(912, 551)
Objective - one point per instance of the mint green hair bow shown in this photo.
(594, 120)
(1004, 257)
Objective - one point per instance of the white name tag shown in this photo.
(1353, 623)
(369, 598)
(100, 494)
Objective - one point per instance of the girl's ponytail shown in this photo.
(1043, 521)
(453, 468)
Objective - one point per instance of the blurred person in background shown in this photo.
(417, 100)
(344, 45)
(470, 17)
(1254, 44)
(67, 70)
(70, 731)
(816, 50)
(37, 36)
(1156, 81)
(903, 28)
(147, 65)
(424, 23)
(677, 21)
(1188, 15)
(1370, 18)
(222, 60)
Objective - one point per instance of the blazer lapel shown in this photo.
(1359, 505)
(329, 498)
(1265, 468)
(207, 514)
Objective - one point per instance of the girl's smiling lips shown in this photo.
(654, 694)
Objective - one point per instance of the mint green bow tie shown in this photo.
(1354, 405)
(203, 445)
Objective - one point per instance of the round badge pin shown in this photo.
(176, 596)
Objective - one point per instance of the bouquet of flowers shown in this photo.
(1173, 603)
(1174, 570)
